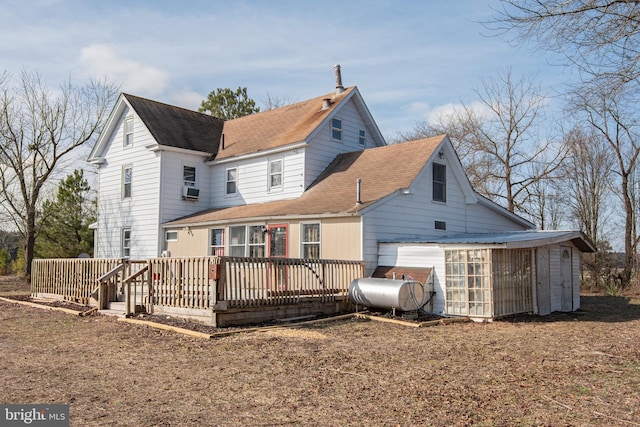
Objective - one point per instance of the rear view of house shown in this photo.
(316, 180)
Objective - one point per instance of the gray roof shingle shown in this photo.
(178, 127)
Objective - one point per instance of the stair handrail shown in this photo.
(127, 289)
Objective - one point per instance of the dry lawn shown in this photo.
(566, 369)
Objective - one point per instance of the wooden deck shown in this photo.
(222, 291)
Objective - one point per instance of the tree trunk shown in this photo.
(629, 247)
(30, 241)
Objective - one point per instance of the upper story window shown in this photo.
(439, 183)
(127, 177)
(336, 129)
(311, 241)
(362, 138)
(128, 132)
(232, 181)
(275, 174)
(189, 176)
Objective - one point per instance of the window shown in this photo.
(189, 176)
(275, 174)
(126, 242)
(240, 245)
(362, 139)
(440, 225)
(336, 129)
(237, 240)
(311, 241)
(216, 242)
(232, 181)
(468, 289)
(439, 183)
(256, 241)
(128, 132)
(171, 236)
(127, 176)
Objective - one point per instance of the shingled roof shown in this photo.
(278, 127)
(178, 127)
(382, 171)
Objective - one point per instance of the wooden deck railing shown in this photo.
(71, 278)
(183, 282)
(197, 282)
(282, 281)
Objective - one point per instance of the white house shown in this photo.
(316, 179)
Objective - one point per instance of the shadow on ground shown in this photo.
(593, 308)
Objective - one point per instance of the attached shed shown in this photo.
(489, 275)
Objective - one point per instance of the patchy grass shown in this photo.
(565, 369)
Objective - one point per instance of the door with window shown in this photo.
(278, 248)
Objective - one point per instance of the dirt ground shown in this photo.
(576, 369)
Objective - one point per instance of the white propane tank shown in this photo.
(404, 295)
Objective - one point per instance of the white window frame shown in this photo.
(362, 137)
(235, 245)
(127, 134)
(227, 181)
(304, 244)
(127, 186)
(274, 175)
(171, 236)
(336, 129)
(125, 242)
(189, 182)
(248, 246)
(216, 249)
(439, 183)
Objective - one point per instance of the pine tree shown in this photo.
(64, 228)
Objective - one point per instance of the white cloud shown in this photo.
(103, 60)
(449, 109)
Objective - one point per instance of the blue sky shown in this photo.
(408, 58)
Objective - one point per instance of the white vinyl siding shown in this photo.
(140, 213)
(322, 150)
(253, 178)
(173, 180)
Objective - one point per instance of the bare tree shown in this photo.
(38, 129)
(588, 172)
(499, 142)
(271, 102)
(614, 116)
(599, 37)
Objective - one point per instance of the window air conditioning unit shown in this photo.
(190, 193)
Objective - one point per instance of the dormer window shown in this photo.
(336, 129)
(128, 132)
